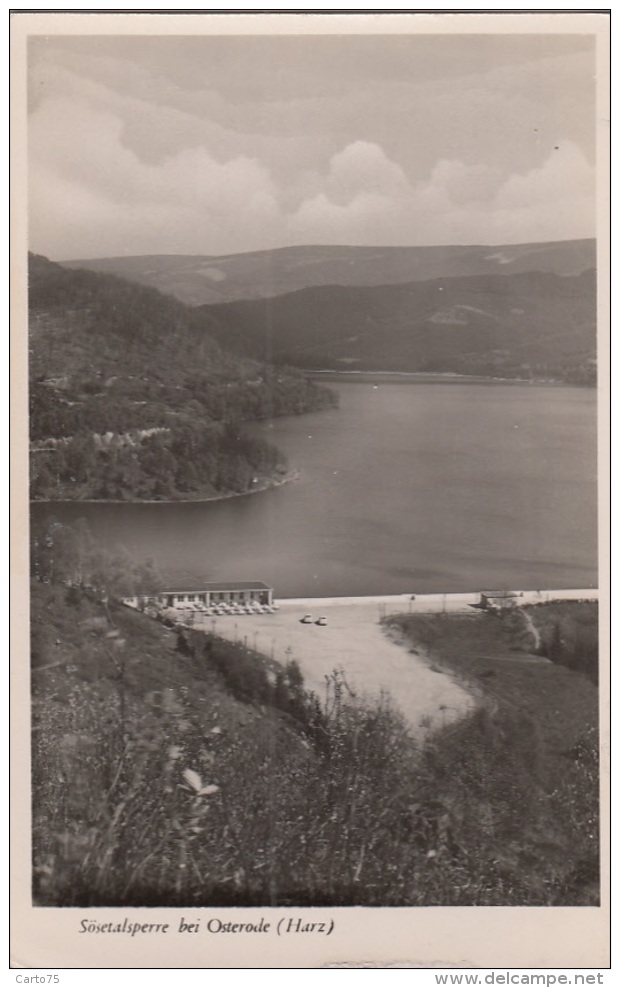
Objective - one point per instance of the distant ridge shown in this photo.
(197, 279)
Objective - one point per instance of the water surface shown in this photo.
(407, 487)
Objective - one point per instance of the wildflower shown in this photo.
(196, 783)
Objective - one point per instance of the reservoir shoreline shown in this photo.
(430, 377)
(260, 488)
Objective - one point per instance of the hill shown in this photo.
(129, 400)
(246, 791)
(529, 325)
(204, 279)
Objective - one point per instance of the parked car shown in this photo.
(306, 619)
(322, 621)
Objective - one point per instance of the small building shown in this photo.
(212, 594)
(497, 599)
(141, 601)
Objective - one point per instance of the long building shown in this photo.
(208, 595)
(211, 594)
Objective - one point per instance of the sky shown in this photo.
(221, 145)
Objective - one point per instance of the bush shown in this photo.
(240, 669)
(569, 635)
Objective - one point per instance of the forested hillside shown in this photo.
(530, 325)
(129, 400)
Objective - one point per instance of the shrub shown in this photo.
(569, 635)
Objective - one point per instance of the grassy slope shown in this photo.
(109, 751)
(497, 655)
(496, 810)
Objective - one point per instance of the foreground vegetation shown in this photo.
(568, 635)
(128, 401)
(174, 768)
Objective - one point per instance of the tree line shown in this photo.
(189, 461)
(70, 555)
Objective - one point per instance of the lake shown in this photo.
(406, 488)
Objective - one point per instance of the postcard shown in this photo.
(310, 588)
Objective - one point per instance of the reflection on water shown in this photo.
(415, 488)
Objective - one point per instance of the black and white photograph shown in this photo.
(312, 334)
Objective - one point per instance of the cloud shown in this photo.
(102, 194)
(456, 204)
(363, 168)
(125, 161)
(565, 172)
(559, 195)
(462, 184)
